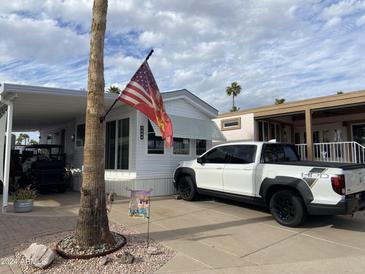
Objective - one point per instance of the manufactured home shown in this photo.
(135, 156)
(328, 128)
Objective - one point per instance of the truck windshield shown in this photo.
(272, 153)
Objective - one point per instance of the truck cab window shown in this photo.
(278, 153)
(241, 154)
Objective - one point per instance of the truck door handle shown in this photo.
(218, 168)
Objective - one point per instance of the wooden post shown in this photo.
(308, 129)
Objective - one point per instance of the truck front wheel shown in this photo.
(287, 208)
(186, 188)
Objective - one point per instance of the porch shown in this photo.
(336, 125)
(343, 152)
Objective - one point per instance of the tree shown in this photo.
(25, 138)
(114, 89)
(92, 224)
(22, 137)
(19, 139)
(233, 90)
(33, 142)
(339, 92)
(279, 101)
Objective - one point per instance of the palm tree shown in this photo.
(22, 137)
(279, 101)
(33, 142)
(19, 139)
(25, 138)
(233, 90)
(92, 224)
(114, 89)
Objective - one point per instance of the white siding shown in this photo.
(246, 132)
(145, 171)
(153, 166)
(181, 107)
(156, 171)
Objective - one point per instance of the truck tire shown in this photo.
(287, 208)
(186, 188)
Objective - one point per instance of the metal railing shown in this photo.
(343, 152)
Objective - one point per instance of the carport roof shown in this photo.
(36, 108)
(41, 107)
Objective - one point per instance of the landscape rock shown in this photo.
(126, 258)
(153, 251)
(105, 260)
(39, 255)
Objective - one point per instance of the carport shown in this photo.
(31, 108)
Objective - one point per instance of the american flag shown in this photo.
(143, 94)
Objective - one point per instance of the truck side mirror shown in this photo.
(200, 160)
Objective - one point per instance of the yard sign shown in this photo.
(139, 204)
(139, 207)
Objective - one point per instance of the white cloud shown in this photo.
(273, 48)
(361, 21)
(40, 40)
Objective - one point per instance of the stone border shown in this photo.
(72, 256)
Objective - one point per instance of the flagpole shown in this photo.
(102, 119)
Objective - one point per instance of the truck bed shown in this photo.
(344, 166)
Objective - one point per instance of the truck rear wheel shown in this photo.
(287, 208)
(186, 188)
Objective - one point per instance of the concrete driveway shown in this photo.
(217, 236)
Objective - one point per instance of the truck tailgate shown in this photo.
(355, 180)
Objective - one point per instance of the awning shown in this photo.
(184, 127)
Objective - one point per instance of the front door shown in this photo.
(239, 172)
(209, 173)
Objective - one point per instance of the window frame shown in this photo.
(236, 119)
(196, 147)
(179, 154)
(76, 135)
(117, 144)
(147, 148)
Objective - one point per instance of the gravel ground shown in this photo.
(136, 245)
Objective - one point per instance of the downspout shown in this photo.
(9, 128)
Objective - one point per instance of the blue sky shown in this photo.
(291, 49)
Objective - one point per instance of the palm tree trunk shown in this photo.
(92, 225)
(233, 101)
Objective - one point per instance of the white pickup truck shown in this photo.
(272, 174)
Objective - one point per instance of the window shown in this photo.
(200, 146)
(279, 153)
(155, 143)
(215, 156)
(110, 145)
(117, 144)
(181, 146)
(123, 144)
(241, 154)
(230, 124)
(270, 130)
(80, 135)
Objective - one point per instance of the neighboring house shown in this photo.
(135, 156)
(336, 124)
